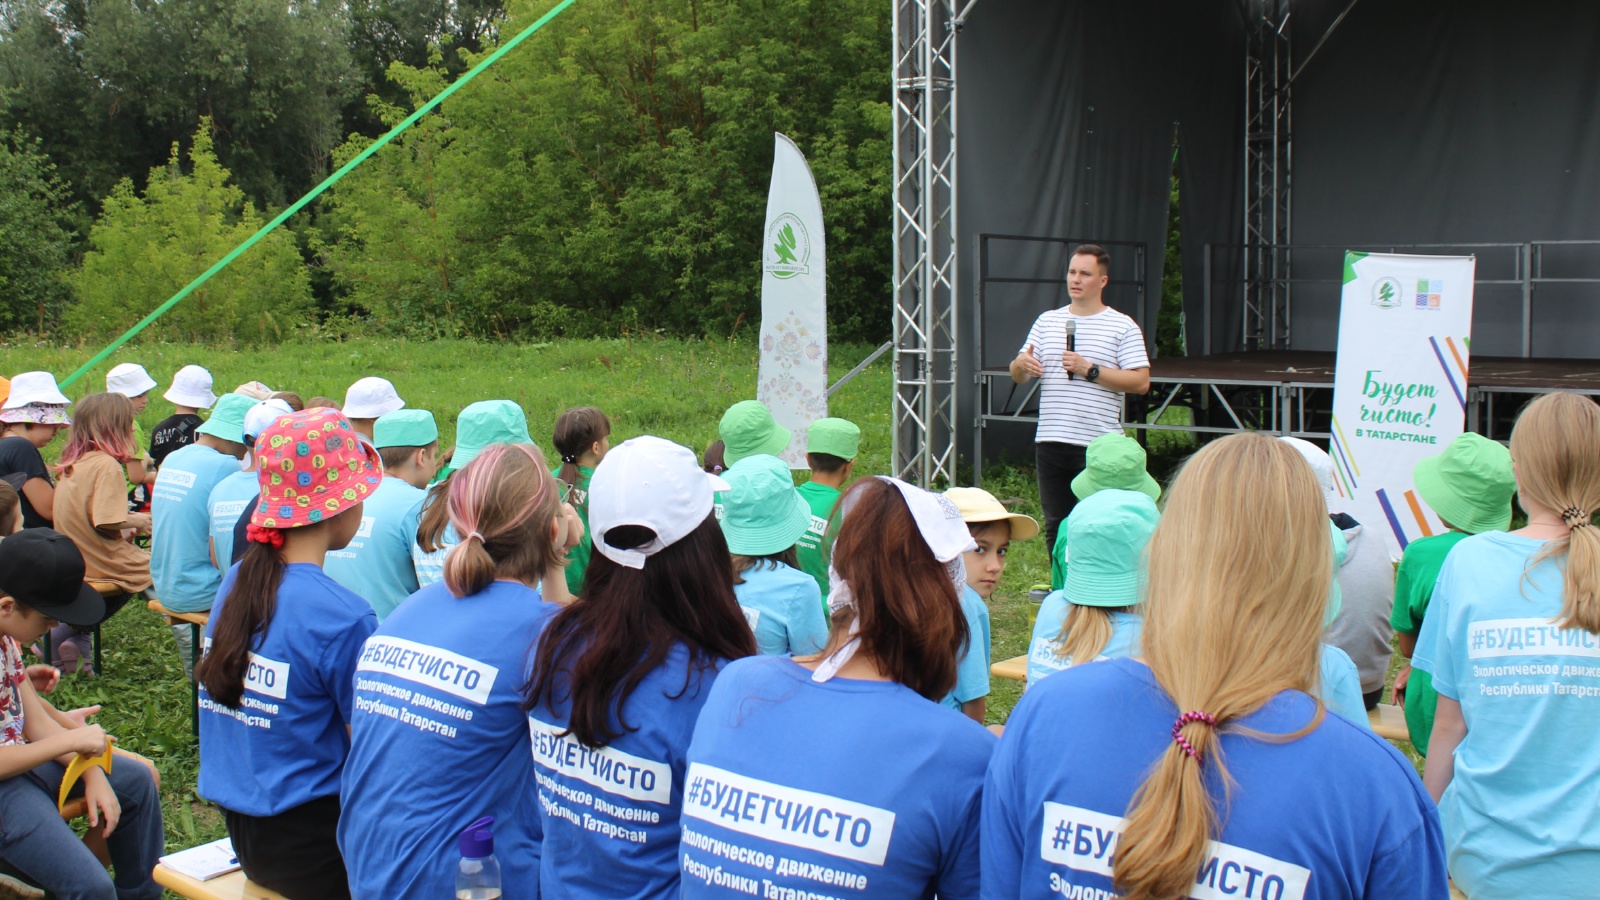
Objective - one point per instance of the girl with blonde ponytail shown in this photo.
(1206, 766)
(1510, 640)
(438, 738)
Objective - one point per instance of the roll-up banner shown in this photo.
(793, 376)
(1400, 389)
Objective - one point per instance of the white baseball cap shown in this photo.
(654, 483)
(258, 417)
(129, 379)
(1321, 466)
(34, 387)
(370, 398)
(191, 387)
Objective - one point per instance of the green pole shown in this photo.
(315, 192)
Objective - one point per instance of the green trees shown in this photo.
(143, 249)
(35, 239)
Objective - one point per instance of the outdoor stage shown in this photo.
(1284, 392)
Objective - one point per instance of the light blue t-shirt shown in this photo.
(972, 670)
(1042, 658)
(895, 816)
(286, 743)
(1335, 814)
(180, 531)
(784, 609)
(429, 567)
(224, 507)
(1519, 815)
(611, 813)
(378, 562)
(439, 739)
(1341, 686)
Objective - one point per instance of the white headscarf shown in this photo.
(944, 531)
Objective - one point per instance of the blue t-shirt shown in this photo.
(377, 563)
(286, 743)
(895, 816)
(429, 567)
(1341, 686)
(1519, 815)
(439, 739)
(972, 670)
(1042, 659)
(611, 814)
(180, 531)
(784, 609)
(1337, 813)
(224, 506)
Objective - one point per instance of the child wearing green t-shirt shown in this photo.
(582, 437)
(831, 448)
(1470, 486)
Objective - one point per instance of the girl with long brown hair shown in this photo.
(278, 678)
(582, 437)
(1511, 636)
(850, 764)
(1207, 766)
(620, 675)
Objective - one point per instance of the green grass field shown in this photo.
(671, 388)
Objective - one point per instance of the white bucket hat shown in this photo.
(654, 483)
(370, 398)
(1321, 466)
(129, 379)
(191, 387)
(35, 387)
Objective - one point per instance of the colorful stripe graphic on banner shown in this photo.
(1406, 528)
(1449, 373)
(1344, 467)
(1394, 521)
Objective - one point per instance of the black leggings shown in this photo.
(295, 852)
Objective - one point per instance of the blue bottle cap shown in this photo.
(477, 841)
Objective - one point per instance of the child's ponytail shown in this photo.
(1086, 631)
(1556, 445)
(502, 505)
(577, 430)
(246, 614)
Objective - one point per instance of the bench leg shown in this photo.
(99, 670)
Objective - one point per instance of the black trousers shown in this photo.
(295, 852)
(1058, 463)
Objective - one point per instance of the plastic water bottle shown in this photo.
(478, 873)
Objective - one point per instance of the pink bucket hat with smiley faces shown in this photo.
(313, 467)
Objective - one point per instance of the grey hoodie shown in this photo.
(1367, 582)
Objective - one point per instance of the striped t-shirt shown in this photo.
(1077, 411)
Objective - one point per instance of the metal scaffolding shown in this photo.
(925, 240)
(1267, 183)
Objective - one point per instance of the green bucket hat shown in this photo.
(1109, 531)
(762, 513)
(1114, 462)
(488, 422)
(835, 437)
(747, 429)
(227, 418)
(1469, 485)
(405, 428)
(1341, 549)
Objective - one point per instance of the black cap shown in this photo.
(44, 569)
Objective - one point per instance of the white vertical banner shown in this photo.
(1400, 388)
(793, 376)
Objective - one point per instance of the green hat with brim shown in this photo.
(1341, 549)
(1469, 485)
(405, 428)
(748, 429)
(762, 513)
(488, 422)
(1114, 462)
(1108, 533)
(227, 418)
(835, 437)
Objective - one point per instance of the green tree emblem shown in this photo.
(1386, 292)
(786, 245)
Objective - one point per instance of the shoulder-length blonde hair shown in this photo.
(1556, 449)
(1239, 570)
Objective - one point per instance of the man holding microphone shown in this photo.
(1088, 355)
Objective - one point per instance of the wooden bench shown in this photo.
(232, 886)
(1389, 722)
(197, 623)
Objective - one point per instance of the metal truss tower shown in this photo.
(1267, 183)
(925, 241)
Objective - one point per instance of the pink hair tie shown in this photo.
(1204, 718)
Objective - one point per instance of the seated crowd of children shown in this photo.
(654, 675)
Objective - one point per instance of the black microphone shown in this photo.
(1072, 340)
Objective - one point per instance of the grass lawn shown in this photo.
(671, 388)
